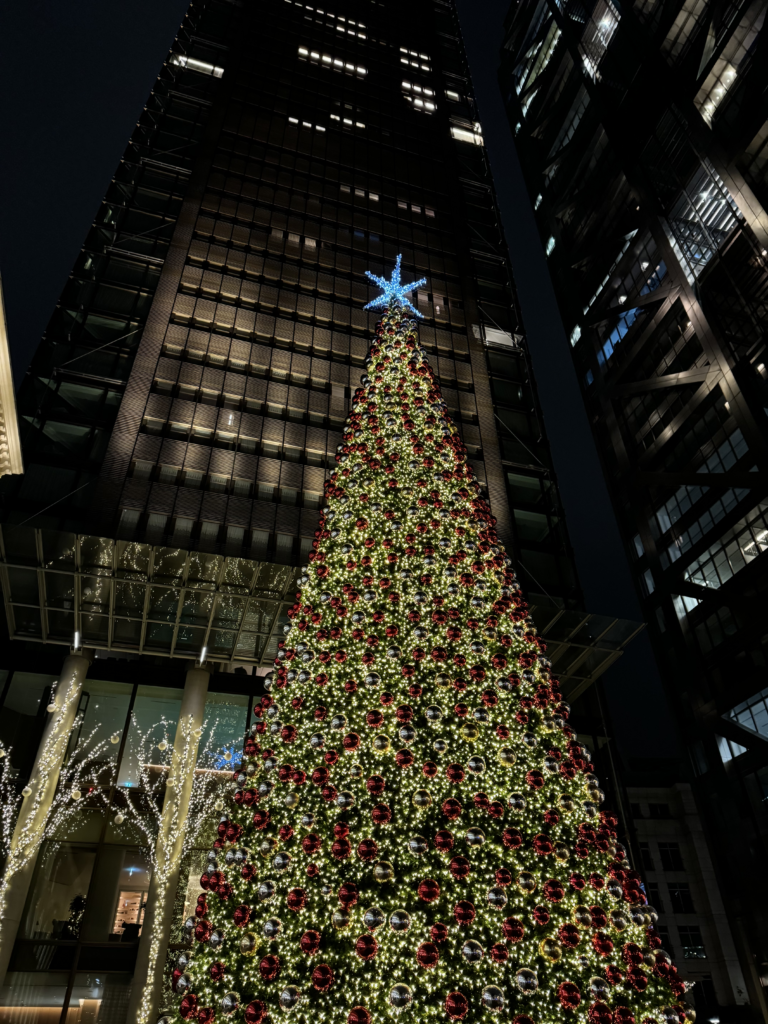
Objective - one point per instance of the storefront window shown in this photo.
(33, 998)
(99, 998)
(117, 896)
(59, 896)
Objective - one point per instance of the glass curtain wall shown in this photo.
(76, 948)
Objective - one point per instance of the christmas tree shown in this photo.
(414, 828)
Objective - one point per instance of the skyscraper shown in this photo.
(179, 420)
(643, 147)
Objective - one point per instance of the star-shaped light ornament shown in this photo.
(393, 291)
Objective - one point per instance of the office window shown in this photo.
(752, 714)
(659, 810)
(692, 942)
(283, 548)
(671, 858)
(680, 898)
(654, 896)
(646, 857)
(209, 533)
(728, 749)
(169, 474)
(636, 811)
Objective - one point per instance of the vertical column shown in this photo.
(38, 797)
(155, 932)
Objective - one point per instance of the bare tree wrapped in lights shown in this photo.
(86, 771)
(138, 814)
(420, 833)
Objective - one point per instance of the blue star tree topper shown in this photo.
(393, 291)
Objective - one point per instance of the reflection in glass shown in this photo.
(32, 997)
(117, 896)
(155, 714)
(224, 727)
(59, 896)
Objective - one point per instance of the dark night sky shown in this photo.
(76, 79)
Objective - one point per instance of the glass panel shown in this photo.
(224, 727)
(104, 708)
(117, 896)
(99, 998)
(155, 714)
(32, 997)
(23, 719)
(58, 899)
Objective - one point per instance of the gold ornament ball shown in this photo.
(249, 943)
(381, 744)
(526, 882)
(421, 799)
(507, 756)
(469, 732)
(551, 950)
(383, 871)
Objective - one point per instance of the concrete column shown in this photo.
(33, 816)
(155, 933)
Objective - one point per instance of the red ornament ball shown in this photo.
(512, 838)
(296, 900)
(255, 1012)
(444, 840)
(459, 867)
(427, 955)
(498, 953)
(602, 943)
(569, 995)
(341, 849)
(429, 890)
(381, 814)
(366, 947)
(451, 809)
(456, 1005)
(269, 968)
(322, 978)
(368, 850)
(188, 1007)
(310, 942)
(439, 932)
(464, 912)
(359, 1015)
(348, 894)
(599, 1013)
(513, 929)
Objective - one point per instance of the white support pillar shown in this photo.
(33, 816)
(155, 933)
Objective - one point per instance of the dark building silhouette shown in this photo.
(642, 132)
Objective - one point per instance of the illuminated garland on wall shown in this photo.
(414, 828)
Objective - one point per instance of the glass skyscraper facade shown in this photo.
(643, 138)
(183, 411)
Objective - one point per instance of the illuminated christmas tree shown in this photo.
(414, 829)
